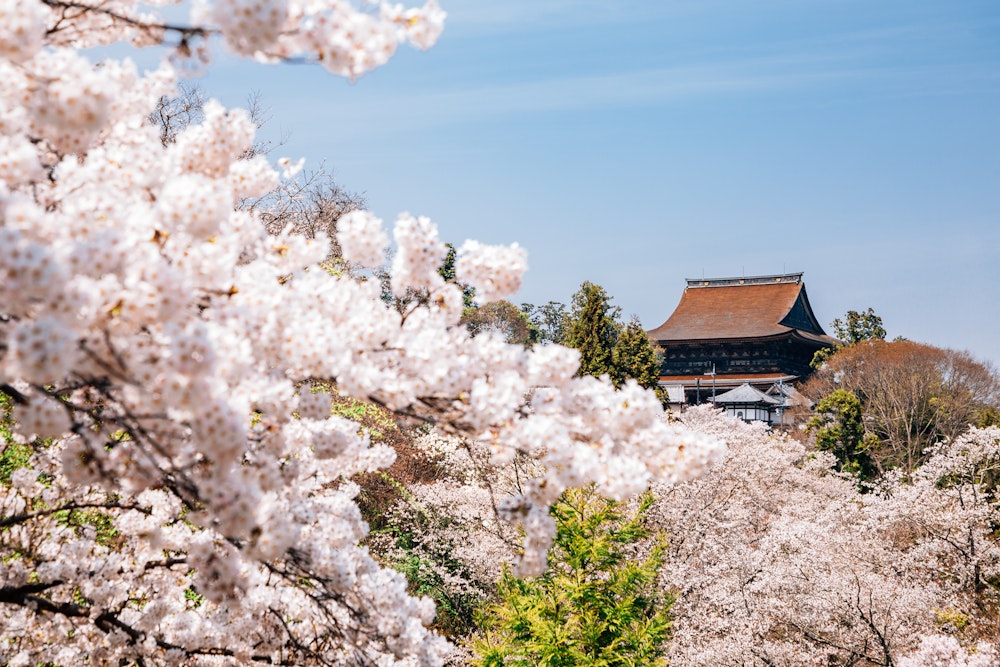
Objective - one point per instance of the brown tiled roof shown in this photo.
(756, 309)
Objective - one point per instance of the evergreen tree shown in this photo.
(634, 356)
(839, 429)
(854, 328)
(597, 605)
(593, 329)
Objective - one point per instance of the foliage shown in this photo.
(986, 416)
(635, 356)
(780, 560)
(447, 272)
(102, 523)
(911, 395)
(13, 457)
(161, 347)
(606, 346)
(822, 355)
(503, 318)
(378, 422)
(444, 532)
(776, 557)
(854, 328)
(839, 429)
(857, 327)
(593, 329)
(596, 605)
(551, 321)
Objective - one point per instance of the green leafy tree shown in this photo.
(634, 356)
(854, 328)
(987, 416)
(593, 329)
(839, 429)
(502, 317)
(551, 321)
(912, 395)
(597, 605)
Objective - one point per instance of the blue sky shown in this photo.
(635, 144)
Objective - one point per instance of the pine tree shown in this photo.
(634, 356)
(593, 329)
(597, 605)
(857, 327)
(854, 328)
(839, 429)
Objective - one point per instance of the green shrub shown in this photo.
(597, 605)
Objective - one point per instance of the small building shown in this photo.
(675, 400)
(727, 332)
(750, 404)
(791, 398)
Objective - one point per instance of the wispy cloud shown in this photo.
(394, 111)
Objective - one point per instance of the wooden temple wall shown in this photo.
(779, 357)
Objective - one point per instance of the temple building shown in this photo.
(758, 331)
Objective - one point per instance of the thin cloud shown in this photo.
(407, 111)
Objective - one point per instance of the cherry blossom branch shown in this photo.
(185, 32)
(13, 394)
(22, 518)
(106, 621)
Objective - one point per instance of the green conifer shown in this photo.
(839, 429)
(597, 605)
(593, 329)
(634, 356)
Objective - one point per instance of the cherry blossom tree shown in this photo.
(775, 557)
(446, 535)
(945, 651)
(185, 499)
(779, 560)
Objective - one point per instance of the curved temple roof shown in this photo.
(747, 395)
(740, 308)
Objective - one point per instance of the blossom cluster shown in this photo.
(196, 504)
(495, 271)
(347, 39)
(945, 651)
(777, 559)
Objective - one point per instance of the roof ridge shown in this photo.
(745, 280)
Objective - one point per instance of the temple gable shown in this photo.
(726, 332)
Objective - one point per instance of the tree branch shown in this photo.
(15, 519)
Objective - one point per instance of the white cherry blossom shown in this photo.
(195, 506)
